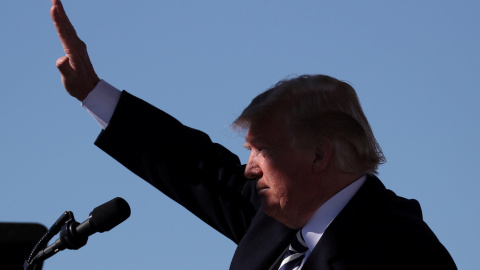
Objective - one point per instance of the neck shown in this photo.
(332, 185)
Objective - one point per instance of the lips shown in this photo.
(262, 188)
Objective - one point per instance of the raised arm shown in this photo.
(78, 76)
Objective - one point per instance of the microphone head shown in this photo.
(108, 215)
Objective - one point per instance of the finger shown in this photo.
(63, 15)
(66, 31)
(60, 18)
(63, 65)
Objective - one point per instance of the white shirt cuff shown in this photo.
(101, 102)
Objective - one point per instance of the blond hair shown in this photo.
(319, 106)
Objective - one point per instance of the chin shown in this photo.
(269, 210)
(273, 211)
(276, 213)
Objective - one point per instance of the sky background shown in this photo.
(414, 64)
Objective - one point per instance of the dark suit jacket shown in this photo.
(375, 230)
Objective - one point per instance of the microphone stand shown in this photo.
(66, 225)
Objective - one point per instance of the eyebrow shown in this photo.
(246, 146)
(254, 140)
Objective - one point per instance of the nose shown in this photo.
(252, 170)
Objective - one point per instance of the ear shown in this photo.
(323, 156)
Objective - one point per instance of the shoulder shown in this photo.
(381, 229)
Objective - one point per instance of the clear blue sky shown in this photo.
(414, 64)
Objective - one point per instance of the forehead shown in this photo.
(269, 129)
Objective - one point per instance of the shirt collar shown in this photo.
(318, 223)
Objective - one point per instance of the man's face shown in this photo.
(286, 180)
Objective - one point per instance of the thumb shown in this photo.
(63, 65)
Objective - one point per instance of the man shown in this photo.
(310, 176)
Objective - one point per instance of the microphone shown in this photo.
(74, 235)
(105, 217)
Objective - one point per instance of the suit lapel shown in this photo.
(336, 242)
(262, 245)
(279, 260)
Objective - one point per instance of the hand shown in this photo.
(78, 76)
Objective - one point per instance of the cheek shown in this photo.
(282, 185)
(288, 180)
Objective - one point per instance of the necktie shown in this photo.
(295, 253)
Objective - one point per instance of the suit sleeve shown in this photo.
(183, 163)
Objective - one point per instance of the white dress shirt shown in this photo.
(101, 102)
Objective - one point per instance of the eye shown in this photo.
(263, 151)
(257, 149)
